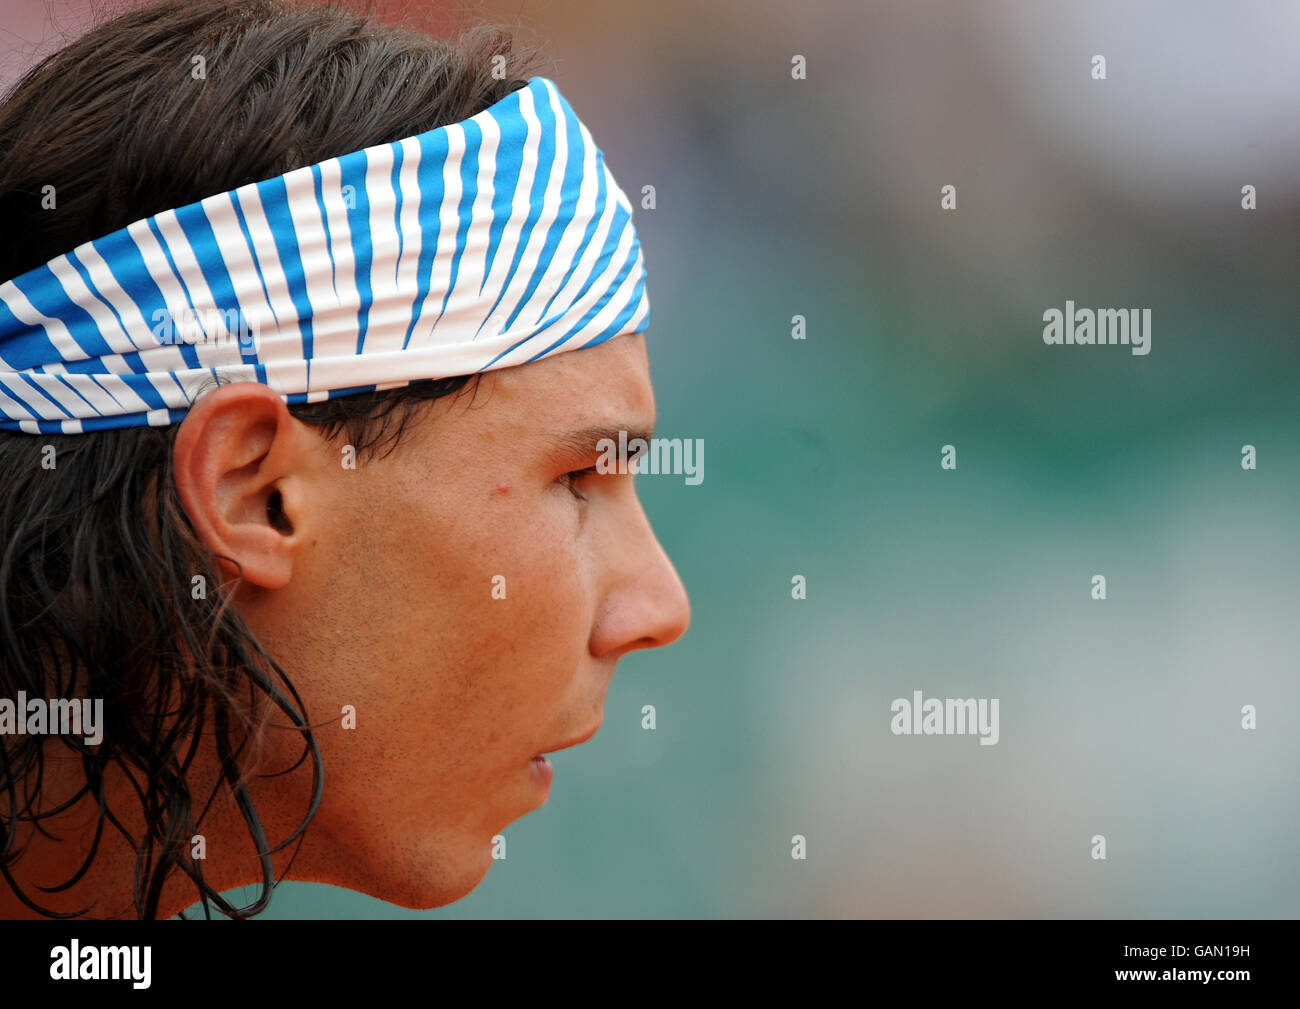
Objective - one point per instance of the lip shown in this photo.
(575, 741)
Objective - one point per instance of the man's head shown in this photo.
(259, 588)
(468, 595)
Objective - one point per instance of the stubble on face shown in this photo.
(450, 599)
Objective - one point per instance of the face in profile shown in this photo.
(468, 595)
(382, 645)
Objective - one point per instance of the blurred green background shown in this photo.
(820, 197)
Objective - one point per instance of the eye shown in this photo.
(571, 479)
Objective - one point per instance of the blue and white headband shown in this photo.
(485, 244)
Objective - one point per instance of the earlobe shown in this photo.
(235, 462)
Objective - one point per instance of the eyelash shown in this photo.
(570, 478)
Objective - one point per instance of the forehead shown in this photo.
(609, 382)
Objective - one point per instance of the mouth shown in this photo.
(572, 742)
(542, 765)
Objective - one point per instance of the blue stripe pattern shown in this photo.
(510, 242)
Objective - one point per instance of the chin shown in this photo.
(413, 864)
(443, 879)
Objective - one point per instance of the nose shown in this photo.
(645, 604)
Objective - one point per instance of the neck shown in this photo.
(220, 844)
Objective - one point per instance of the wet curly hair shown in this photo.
(98, 552)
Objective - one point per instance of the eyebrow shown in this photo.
(583, 441)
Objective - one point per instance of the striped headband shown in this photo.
(485, 244)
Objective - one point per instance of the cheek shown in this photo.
(527, 566)
(459, 634)
(521, 551)
(501, 609)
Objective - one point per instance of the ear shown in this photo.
(242, 464)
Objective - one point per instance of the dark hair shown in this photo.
(98, 553)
